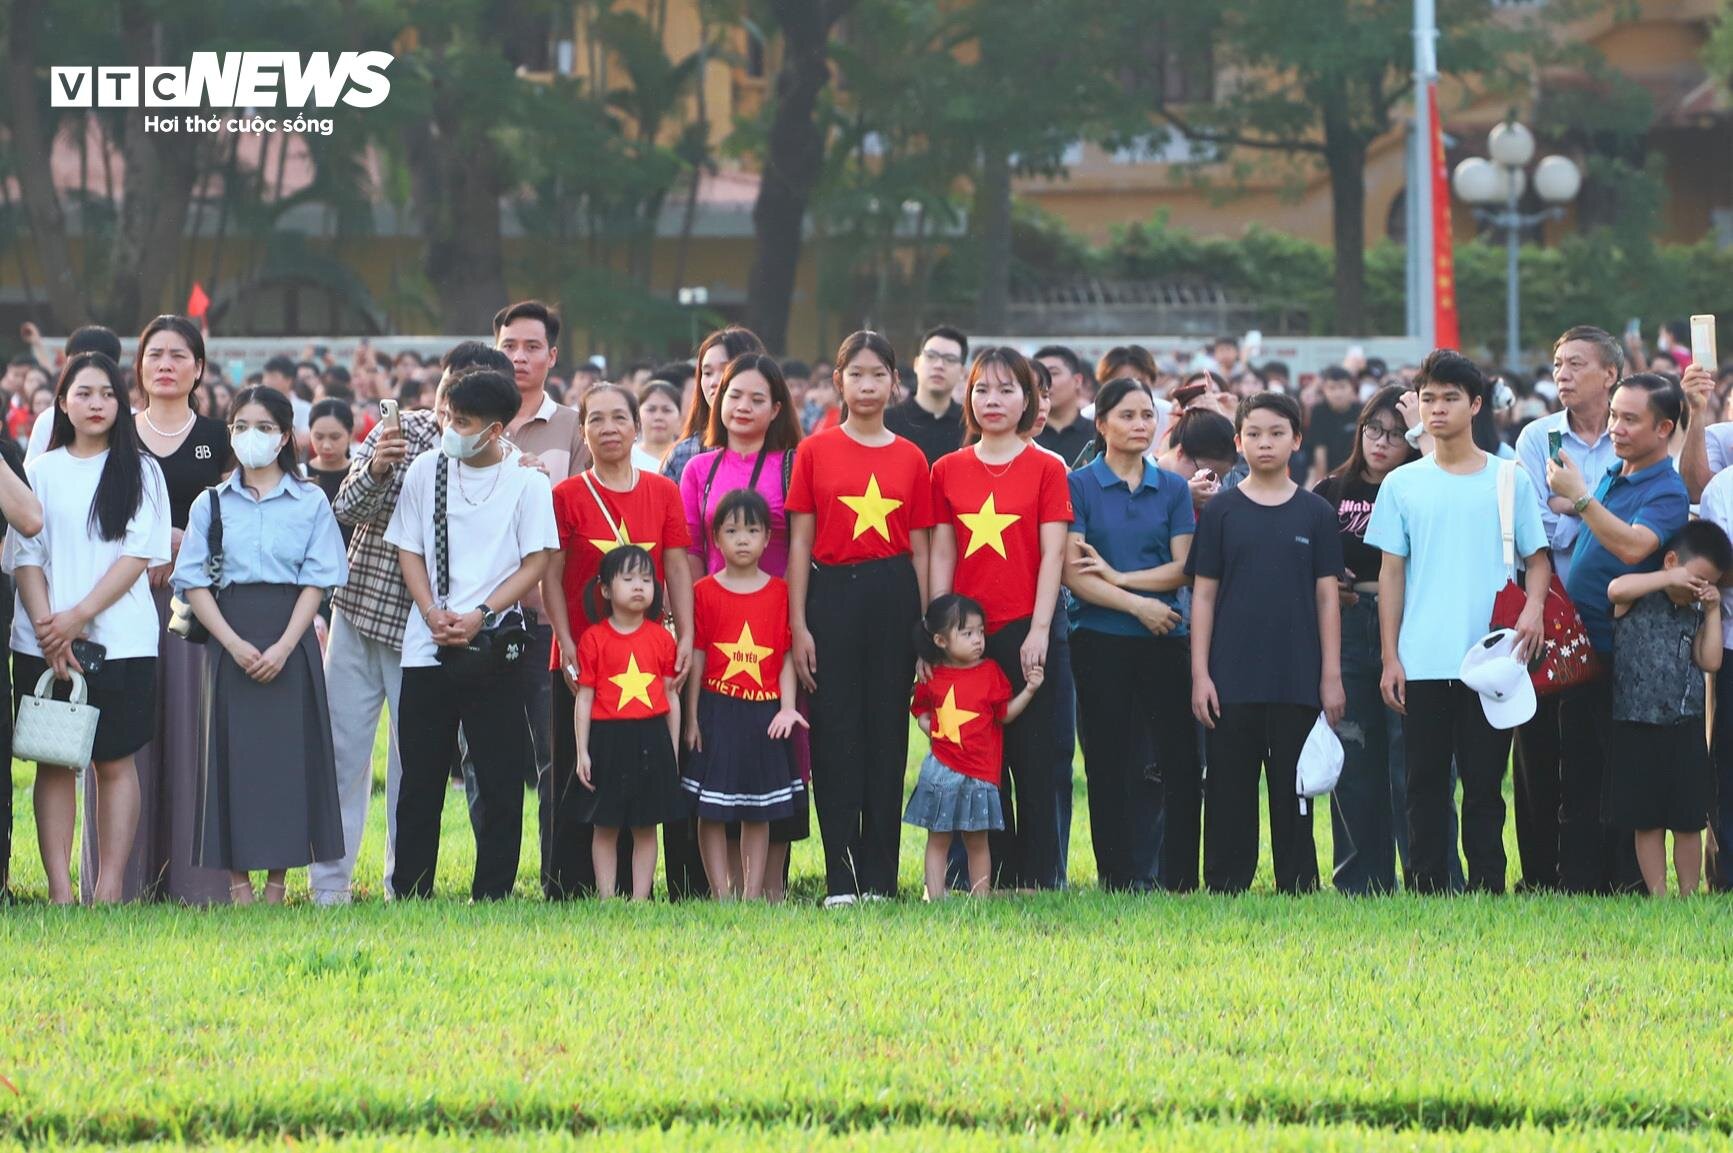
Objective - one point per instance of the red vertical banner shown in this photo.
(1445, 332)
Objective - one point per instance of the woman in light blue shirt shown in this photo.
(267, 795)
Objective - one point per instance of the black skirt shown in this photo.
(740, 773)
(1660, 776)
(124, 694)
(635, 774)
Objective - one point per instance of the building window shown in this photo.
(1174, 69)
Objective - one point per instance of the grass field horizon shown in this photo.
(1080, 1019)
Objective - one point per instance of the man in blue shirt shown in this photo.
(1630, 513)
(1586, 363)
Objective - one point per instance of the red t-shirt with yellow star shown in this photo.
(865, 500)
(743, 636)
(626, 670)
(997, 513)
(650, 515)
(967, 707)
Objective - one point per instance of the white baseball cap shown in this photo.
(1320, 764)
(1492, 670)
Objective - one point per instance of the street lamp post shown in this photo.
(1484, 183)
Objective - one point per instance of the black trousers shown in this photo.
(1593, 856)
(1445, 720)
(492, 714)
(862, 619)
(536, 703)
(1721, 813)
(1134, 695)
(6, 774)
(1026, 853)
(1247, 738)
(1536, 790)
(568, 869)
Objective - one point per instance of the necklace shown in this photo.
(191, 418)
(490, 488)
(1004, 468)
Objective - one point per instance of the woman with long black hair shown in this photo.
(860, 511)
(1130, 651)
(267, 773)
(1001, 510)
(192, 451)
(87, 609)
(714, 355)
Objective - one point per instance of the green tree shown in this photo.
(1317, 83)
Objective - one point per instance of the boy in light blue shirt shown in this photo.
(1437, 523)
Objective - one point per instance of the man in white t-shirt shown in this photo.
(497, 531)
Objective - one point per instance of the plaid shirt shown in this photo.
(679, 456)
(376, 600)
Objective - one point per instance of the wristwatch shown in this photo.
(1581, 502)
(488, 616)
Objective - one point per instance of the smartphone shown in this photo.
(1634, 327)
(388, 412)
(1703, 340)
(1555, 442)
(89, 655)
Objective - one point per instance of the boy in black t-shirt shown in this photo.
(1266, 651)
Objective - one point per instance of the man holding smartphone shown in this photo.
(363, 659)
(1587, 363)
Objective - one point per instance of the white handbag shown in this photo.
(52, 732)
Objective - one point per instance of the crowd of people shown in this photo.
(698, 602)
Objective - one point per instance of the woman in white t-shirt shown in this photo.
(85, 607)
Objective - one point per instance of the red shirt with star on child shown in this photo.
(651, 515)
(866, 501)
(967, 707)
(626, 670)
(997, 512)
(743, 636)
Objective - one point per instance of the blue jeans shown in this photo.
(1369, 810)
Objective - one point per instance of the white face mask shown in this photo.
(254, 448)
(460, 447)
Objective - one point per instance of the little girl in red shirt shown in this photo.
(740, 701)
(628, 719)
(963, 707)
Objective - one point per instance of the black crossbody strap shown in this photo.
(214, 537)
(441, 535)
(757, 471)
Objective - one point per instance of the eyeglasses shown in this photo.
(1379, 434)
(948, 359)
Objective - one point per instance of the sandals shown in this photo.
(275, 892)
(241, 893)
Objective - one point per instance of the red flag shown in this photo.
(1445, 330)
(197, 302)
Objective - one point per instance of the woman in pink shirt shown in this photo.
(757, 429)
(753, 429)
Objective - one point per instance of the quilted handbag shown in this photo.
(1566, 659)
(52, 732)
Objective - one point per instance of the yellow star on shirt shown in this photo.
(633, 685)
(987, 528)
(609, 544)
(744, 655)
(948, 719)
(871, 508)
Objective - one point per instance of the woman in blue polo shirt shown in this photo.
(1125, 564)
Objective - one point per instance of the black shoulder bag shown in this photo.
(497, 649)
(182, 621)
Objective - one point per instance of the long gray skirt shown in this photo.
(267, 794)
(168, 769)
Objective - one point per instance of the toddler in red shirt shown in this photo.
(963, 707)
(628, 720)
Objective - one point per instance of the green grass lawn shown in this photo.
(1079, 1020)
